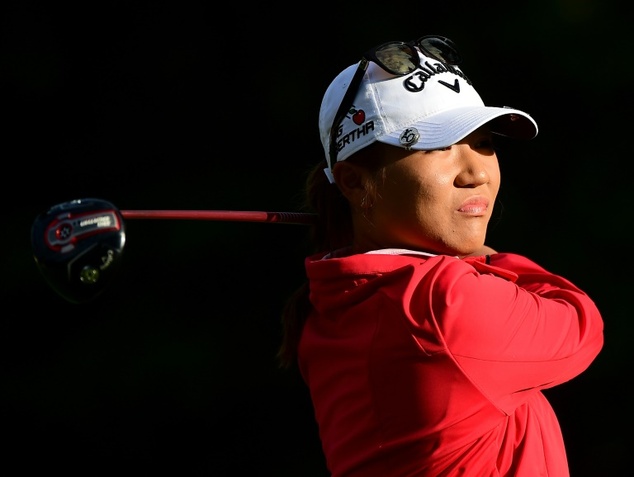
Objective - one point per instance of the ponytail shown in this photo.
(333, 230)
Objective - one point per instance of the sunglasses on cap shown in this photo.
(397, 58)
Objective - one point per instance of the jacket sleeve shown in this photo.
(513, 333)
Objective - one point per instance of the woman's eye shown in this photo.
(439, 149)
(484, 144)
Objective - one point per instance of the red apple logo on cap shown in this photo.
(358, 116)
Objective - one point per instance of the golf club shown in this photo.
(78, 245)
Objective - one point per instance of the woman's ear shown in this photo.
(351, 181)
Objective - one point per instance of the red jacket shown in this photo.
(424, 365)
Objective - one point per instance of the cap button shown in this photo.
(409, 137)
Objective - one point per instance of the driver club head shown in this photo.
(77, 247)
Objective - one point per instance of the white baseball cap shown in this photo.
(432, 107)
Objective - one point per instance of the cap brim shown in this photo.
(448, 127)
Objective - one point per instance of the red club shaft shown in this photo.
(223, 215)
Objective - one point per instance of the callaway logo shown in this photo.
(455, 87)
(416, 81)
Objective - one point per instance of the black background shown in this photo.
(189, 105)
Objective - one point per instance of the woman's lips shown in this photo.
(474, 206)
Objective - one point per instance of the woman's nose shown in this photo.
(473, 167)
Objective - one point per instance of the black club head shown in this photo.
(77, 246)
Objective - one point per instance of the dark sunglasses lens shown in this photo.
(440, 48)
(397, 58)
